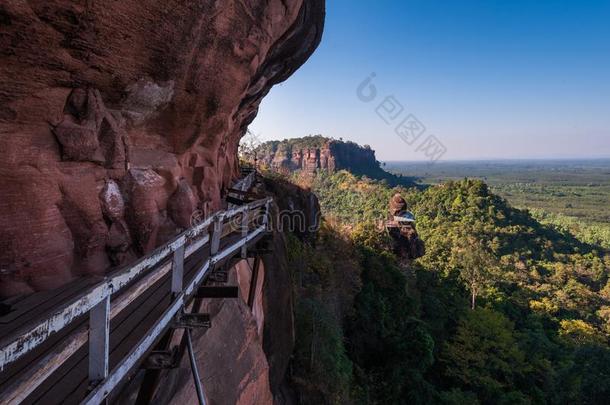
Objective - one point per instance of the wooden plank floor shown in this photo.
(35, 307)
(69, 383)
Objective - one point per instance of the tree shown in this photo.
(484, 356)
(390, 348)
(248, 146)
(580, 332)
(323, 368)
(475, 265)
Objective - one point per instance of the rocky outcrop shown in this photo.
(306, 159)
(405, 240)
(117, 118)
(299, 209)
(313, 153)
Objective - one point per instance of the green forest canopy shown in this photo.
(406, 333)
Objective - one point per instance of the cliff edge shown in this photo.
(311, 154)
(119, 119)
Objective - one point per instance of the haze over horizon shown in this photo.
(516, 80)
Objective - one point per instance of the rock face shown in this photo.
(310, 154)
(234, 368)
(405, 240)
(299, 209)
(117, 118)
(313, 153)
(244, 357)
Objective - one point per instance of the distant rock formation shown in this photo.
(118, 118)
(405, 240)
(313, 153)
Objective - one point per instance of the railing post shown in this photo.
(244, 233)
(99, 340)
(266, 218)
(178, 270)
(216, 233)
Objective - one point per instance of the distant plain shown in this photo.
(570, 193)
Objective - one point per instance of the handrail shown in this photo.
(245, 183)
(36, 335)
(104, 388)
(96, 300)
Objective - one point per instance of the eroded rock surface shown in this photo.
(117, 118)
(311, 154)
(234, 367)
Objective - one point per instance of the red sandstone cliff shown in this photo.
(312, 153)
(118, 119)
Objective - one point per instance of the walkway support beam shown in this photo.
(253, 281)
(196, 378)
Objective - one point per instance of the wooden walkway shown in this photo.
(58, 368)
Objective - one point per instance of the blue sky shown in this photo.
(489, 79)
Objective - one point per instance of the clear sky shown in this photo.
(489, 79)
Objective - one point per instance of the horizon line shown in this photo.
(497, 159)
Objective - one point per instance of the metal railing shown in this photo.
(105, 300)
